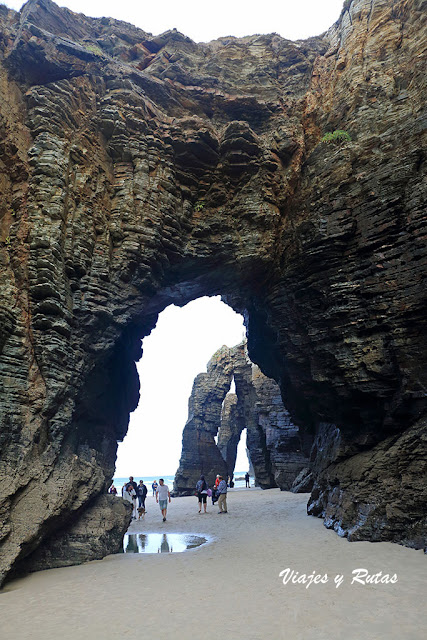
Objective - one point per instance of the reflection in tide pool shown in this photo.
(161, 542)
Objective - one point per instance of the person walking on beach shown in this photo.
(112, 490)
(154, 488)
(162, 497)
(202, 493)
(142, 494)
(247, 480)
(222, 495)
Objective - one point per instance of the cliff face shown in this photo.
(200, 455)
(230, 430)
(287, 446)
(137, 171)
(276, 447)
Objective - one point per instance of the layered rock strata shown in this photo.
(356, 485)
(276, 447)
(200, 455)
(97, 533)
(230, 430)
(287, 446)
(138, 171)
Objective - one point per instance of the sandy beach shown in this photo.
(229, 588)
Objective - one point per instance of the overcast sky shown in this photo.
(185, 339)
(204, 21)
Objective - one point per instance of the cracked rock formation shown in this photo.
(230, 429)
(138, 171)
(200, 455)
(287, 446)
(276, 447)
(97, 533)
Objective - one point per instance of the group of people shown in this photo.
(137, 493)
(218, 494)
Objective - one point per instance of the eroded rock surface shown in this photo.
(230, 430)
(141, 170)
(200, 455)
(287, 446)
(396, 468)
(97, 533)
(277, 449)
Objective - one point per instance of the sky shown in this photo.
(204, 21)
(185, 339)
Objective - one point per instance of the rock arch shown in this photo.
(139, 171)
(278, 450)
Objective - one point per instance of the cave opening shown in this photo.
(243, 461)
(174, 353)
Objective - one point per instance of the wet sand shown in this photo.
(229, 588)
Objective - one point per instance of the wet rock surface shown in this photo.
(357, 511)
(303, 483)
(140, 170)
(96, 533)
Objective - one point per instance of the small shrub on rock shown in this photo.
(337, 137)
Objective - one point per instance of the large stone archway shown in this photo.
(138, 171)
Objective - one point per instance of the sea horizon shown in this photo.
(119, 481)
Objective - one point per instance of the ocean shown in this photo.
(148, 480)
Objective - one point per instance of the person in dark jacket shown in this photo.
(133, 484)
(141, 493)
(202, 493)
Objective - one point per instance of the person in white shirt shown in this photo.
(129, 494)
(162, 497)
